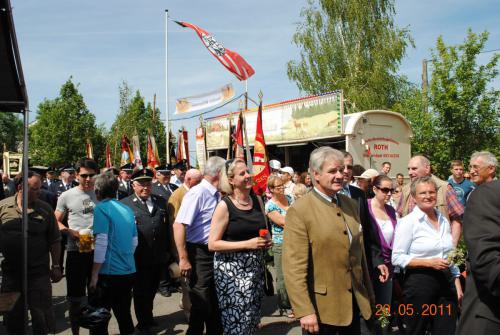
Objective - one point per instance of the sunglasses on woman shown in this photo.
(385, 190)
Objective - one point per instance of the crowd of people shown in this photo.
(351, 248)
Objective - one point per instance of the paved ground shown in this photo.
(170, 318)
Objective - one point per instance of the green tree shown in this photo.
(464, 105)
(136, 117)
(62, 127)
(351, 45)
(11, 131)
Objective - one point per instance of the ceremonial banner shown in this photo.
(88, 150)
(201, 148)
(127, 155)
(137, 152)
(239, 150)
(230, 59)
(260, 159)
(152, 153)
(171, 144)
(108, 157)
(183, 147)
(206, 100)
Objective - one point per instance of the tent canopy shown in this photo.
(13, 97)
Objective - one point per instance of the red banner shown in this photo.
(260, 158)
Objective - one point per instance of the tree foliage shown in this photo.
(62, 127)
(136, 117)
(465, 108)
(350, 45)
(11, 131)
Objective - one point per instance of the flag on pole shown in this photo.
(230, 146)
(183, 147)
(127, 155)
(230, 59)
(153, 159)
(137, 152)
(88, 150)
(108, 156)
(239, 151)
(260, 158)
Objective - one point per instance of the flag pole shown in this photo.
(167, 157)
(247, 144)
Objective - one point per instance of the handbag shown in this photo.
(268, 257)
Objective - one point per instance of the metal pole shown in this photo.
(167, 157)
(247, 144)
(25, 220)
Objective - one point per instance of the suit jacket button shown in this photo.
(338, 214)
(350, 290)
(345, 232)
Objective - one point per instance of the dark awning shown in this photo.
(13, 97)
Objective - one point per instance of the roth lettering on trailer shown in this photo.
(381, 146)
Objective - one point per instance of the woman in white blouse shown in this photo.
(422, 242)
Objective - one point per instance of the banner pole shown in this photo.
(247, 144)
(167, 157)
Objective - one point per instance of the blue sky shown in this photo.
(102, 43)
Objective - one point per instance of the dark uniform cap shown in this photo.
(164, 168)
(181, 165)
(39, 169)
(144, 174)
(67, 168)
(113, 169)
(129, 167)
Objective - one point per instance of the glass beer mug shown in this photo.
(85, 241)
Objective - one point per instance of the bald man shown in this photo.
(447, 201)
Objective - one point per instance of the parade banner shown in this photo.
(183, 147)
(260, 158)
(228, 58)
(137, 152)
(88, 150)
(152, 153)
(201, 148)
(293, 121)
(206, 100)
(108, 156)
(239, 150)
(127, 155)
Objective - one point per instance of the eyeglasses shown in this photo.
(279, 186)
(385, 190)
(348, 167)
(85, 176)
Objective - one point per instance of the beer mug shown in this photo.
(85, 241)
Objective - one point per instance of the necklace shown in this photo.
(242, 203)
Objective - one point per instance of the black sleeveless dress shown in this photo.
(239, 276)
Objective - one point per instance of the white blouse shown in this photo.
(386, 228)
(416, 237)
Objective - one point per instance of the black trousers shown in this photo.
(115, 293)
(433, 297)
(146, 284)
(204, 308)
(353, 329)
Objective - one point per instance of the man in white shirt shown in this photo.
(179, 173)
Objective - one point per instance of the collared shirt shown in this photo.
(336, 200)
(416, 237)
(289, 188)
(174, 180)
(196, 211)
(345, 190)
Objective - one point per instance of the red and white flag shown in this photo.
(152, 153)
(230, 59)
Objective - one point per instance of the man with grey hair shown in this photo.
(323, 231)
(447, 201)
(191, 229)
(483, 167)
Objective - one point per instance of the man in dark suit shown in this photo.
(162, 187)
(50, 178)
(154, 249)
(124, 187)
(66, 182)
(372, 247)
(481, 303)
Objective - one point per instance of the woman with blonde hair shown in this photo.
(239, 237)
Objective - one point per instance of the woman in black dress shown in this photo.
(239, 251)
